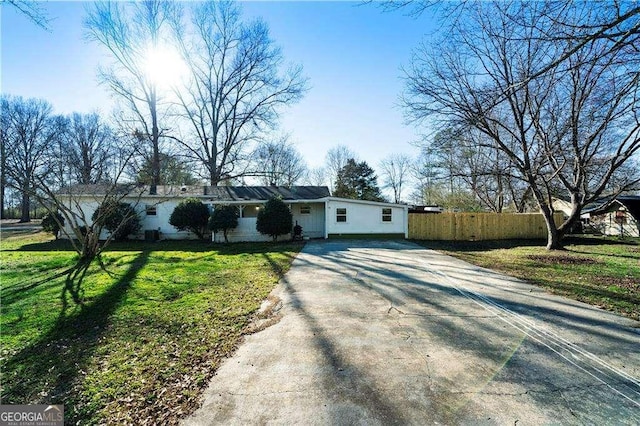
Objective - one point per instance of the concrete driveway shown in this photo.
(392, 333)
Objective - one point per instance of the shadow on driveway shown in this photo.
(392, 333)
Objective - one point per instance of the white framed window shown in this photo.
(341, 215)
(250, 210)
(305, 210)
(387, 215)
(150, 210)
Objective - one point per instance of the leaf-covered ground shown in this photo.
(151, 329)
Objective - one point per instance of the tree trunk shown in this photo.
(2, 186)
(155, 141)
(24, 207)
(3, 179)
(554, 236)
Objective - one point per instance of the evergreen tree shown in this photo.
(224, 218)
(118, 218)
(52, 222)
(274, 219)
(190, 215)
(357, 181)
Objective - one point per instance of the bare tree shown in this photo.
(88, 149)
(465, 160)
(566, 131)
(395, 173)
(132, 33)
(236, 86)
(575, 24)
(82, 213)
(336, 158)
(426, 173)
(279, 163)
(5, 124)
(28, 132)
(316, 176)
(32, 10)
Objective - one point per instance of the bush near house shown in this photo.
(274, 219)
(51, 223)
(223, 219)
(190, 215)
(118, 218)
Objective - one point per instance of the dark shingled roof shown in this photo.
(261, 193)
(631, 202)
(215, 193)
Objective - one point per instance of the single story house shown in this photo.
(618, 216)
(318, 213)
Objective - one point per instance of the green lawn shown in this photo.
(602, 272)
(150, 331)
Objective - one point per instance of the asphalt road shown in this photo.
(391, 333)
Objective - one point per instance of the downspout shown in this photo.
(326, 219)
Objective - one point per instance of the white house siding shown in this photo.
(245, 231)
(365, 218)
(86, 209)
(608, 224)
(159, 222)
(312, 222)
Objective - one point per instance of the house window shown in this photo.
(386, 215)
(150, 210)
(305, 209)
(250, 210)
(341, 215)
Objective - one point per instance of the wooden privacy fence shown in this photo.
(478, 226)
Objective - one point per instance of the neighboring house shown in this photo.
(319, 214)
(619, 216)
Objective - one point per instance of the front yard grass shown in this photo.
(152, 328)
(604, 272)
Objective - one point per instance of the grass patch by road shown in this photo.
(150, 332)
(600, 271)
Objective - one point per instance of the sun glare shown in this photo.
(164, 66)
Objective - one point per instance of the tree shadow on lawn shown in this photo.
(195, 246)
(50, 369)
(189, 246)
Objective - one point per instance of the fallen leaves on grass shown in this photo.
(629, 283)
(560, 259)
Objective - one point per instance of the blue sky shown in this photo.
(351, 53)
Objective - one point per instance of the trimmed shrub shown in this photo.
(274, 219)
(118, 218)
(190, 215)
(51, 222)
(223, 219)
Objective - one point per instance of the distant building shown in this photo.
(426, 209)
(608, 216)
